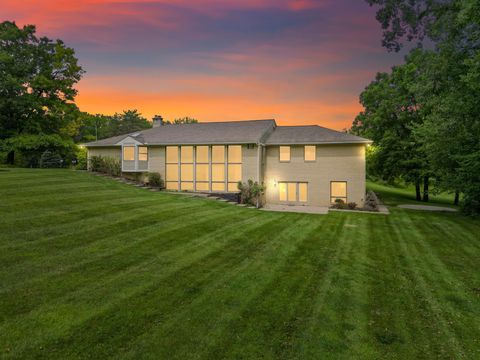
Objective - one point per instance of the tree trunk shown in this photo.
(457, 198)
(418, 195)
(425, 188)
(11, 157)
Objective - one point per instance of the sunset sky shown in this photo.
(297, 61)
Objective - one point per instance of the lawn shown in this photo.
(92, 268)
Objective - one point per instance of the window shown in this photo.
(172, 154)
(202, 154)
(338, 190)
(186, 172)
(310, 153)
(218, 154)
(186, 154)
(142, 153)
(172, 168)
(129, 153)
(202, 173)
(218, 168)
(285, 153)
(218, 172)
(292, 191)
(234, 172)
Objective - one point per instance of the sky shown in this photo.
(300, 62)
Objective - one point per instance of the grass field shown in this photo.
(92, 268)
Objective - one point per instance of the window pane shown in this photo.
(302, 192)
(142, 153)
(218, 186)
(172, 172)
(310, 153)
(187, 185)
(339, 189)
(218, 154)
(233, 187)
(202, 154)
(234, 172)
(218, 172)
(284, 153)
(172, 154)
(172, 185)
(282, 191)
(202, 186)
(235, 153)
(129, 153)
(292, 191)
(186, 172)
(202, 172)
(186, 153)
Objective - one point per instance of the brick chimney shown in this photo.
(157, 121)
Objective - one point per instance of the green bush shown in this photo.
(50, 159)
(251, 192)
(82, 160)
(106, 165)
(352, 205)
(155, 180)
(339, 204)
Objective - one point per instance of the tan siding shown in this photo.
(156, 160)
(249, 163)
(112, 152)
(334, 163)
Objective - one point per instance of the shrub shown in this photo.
(81, 159)
(352, 205)
(155, 180)
(371, 201)
(50, 159)
(339, 204)
(106, 165)
(251, 192)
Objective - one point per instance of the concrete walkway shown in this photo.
(299, 209)
(427, 208)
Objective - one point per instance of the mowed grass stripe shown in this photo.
(193, 278)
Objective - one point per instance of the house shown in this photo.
(300, 165)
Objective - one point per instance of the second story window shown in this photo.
(310, 153)
(284, 153)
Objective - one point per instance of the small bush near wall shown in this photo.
(106, 165)
(371, 201)
(339, 204)
(81, 159)
(251, 192)
(50, 159)
(154, 179)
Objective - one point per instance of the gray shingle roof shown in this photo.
(231, 132)
(235, 132)
(311, 134)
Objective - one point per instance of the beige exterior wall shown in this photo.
(112, 152)
(333, 163)
(249, 163)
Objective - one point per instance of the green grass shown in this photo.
(92, 268)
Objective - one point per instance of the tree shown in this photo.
(184, 120)
(390, 114)
(127, 122)
(37, 76)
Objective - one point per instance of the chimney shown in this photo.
(157, 121)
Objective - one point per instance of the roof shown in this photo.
(228, 132)
(234, 132)
(311, 134)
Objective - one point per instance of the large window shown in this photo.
(234, 166)
(310, 153)
(202, 169)
(284, 153)
(338, 190)
(172, 167)
(142, 153)
(186, 167)
(218, 168)
(129, 153)
(292, 192)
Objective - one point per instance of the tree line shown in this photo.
(424, 115)
(37, 101)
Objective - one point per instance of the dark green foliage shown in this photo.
(96, 269)
(28, 148)
(339, 204)
(184, 120)
(81, 159)
(155, 180)
(352, 205)
(50, 159)
(37, 76)
(106, 165)
(251, 192)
